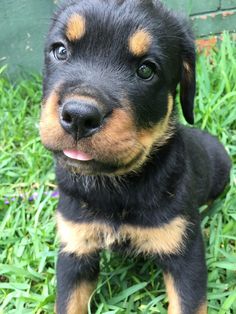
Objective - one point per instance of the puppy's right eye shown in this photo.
(146, 71)
(60, 52)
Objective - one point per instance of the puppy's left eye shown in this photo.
(60, 52)
(146, 70)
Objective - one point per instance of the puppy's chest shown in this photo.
(86, 238)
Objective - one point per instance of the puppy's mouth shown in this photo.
(79, 162)
(78, 155)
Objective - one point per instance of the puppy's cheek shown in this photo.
(117, 140)
(161, 132)
(120, 141)
(52, 135)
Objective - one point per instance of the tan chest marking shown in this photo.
(166, 239)
(83, 238)
(86, 238)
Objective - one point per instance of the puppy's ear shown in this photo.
(188, 77)
(180, 27)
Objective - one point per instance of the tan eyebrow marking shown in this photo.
(140, 42)
(76, 27)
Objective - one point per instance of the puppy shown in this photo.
(131, 177)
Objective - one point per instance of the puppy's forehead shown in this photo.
(119, 21)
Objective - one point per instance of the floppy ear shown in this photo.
(180, 27)
(188, 78)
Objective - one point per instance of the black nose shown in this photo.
(80, 119)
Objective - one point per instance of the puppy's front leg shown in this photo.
(185, 278)
(76, 280)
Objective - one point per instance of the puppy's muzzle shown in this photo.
(81, 119)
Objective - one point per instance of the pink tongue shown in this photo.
(77, 154)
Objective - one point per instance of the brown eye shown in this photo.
(146, 71)
(60, 53)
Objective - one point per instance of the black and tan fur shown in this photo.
(148, 174)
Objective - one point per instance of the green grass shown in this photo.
(28, 244)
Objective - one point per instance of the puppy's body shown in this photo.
(130, 177)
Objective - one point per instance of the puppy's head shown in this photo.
(111, 72)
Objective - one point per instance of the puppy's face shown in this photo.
(111, 72)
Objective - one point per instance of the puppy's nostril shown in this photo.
(92, 123)
(67, 117)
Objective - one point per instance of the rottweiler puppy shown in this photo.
(131, 177)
